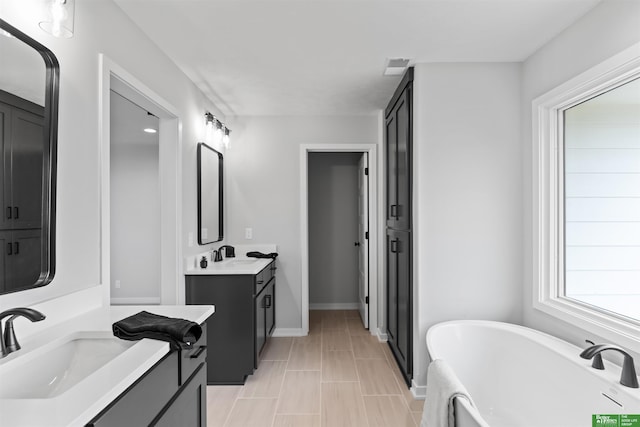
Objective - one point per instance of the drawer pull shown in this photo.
(198, 352)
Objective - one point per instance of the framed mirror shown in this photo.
(210, 224)
(29, 79)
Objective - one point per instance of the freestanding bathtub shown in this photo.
(522, 377)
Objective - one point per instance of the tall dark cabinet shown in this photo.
(21, 159)
(398, 146)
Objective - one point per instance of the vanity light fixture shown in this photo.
(225, 137)
(58, 18)
(150, 130)
(216, 130)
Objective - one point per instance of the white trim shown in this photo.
(172, 279)
(289, 332)
(135, 301)
(374, 285)
(546, 180)
(382, 336)
(419, 392)
(335, 306)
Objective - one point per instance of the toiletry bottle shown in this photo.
(203, 262)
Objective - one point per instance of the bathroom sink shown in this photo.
(49, 371)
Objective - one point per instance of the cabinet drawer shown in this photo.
(141, 403)
(191, 358)
(264, 276)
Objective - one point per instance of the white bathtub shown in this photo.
(522, 377)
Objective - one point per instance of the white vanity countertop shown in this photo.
(231, 266)
(78, 405)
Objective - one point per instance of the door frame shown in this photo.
(112, 76)
(371, 150)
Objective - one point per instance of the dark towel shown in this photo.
(261, 255)
(178, 332)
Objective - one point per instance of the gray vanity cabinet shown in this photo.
(172, 393)
(243, 323)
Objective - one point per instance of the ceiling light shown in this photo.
(396, 66)
(150, 130)
(58, 18)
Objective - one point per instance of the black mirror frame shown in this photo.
(201, 146)
(52, 84)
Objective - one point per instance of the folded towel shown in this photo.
(178, 332)
(254, 254)
(443, 386)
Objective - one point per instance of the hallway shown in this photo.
(338, 375)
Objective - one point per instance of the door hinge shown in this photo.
(366, 299)
(366, 235)
(366, 171)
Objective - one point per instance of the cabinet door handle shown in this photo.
(8, 212)
(267, 301)
(17, 247)
(198, 352)
(395, 245)
(16, 212)
(260, 282)
(9, 249)
(394, 211)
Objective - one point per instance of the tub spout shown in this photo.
(629, 377)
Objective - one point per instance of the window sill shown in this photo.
(624, 332)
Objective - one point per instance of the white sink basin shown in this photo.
(55, 368)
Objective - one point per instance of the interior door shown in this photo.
(363, 230)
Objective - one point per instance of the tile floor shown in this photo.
(338, 375)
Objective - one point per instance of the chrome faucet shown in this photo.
(629, 377)
(8, 340)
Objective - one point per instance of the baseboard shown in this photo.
(382, 336)
(288, 332)
(418, 391)
(136, 301)
(335, 306)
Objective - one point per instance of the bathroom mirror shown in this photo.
(209, 195)
(29, 75)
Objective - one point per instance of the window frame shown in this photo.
(548, 203)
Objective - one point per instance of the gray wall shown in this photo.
(333, 228)
(263, 188)
(467, 226)
(608, 29)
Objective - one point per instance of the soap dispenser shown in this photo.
(203, 262)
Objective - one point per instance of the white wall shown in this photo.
(605, 31)
(101, 27)
(467, 197)
(263, 188)
(333, 228)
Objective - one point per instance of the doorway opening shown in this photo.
(339, 238)
(161, 251)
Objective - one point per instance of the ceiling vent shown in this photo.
(396, 66)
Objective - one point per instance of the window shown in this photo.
(601, 187)
(586, 176)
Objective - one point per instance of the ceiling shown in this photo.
(327, 57)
